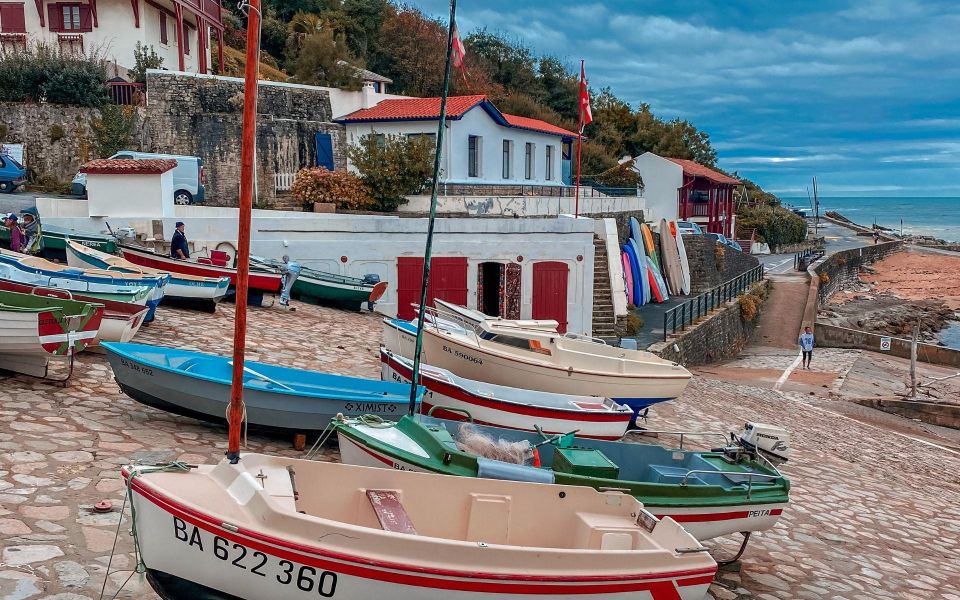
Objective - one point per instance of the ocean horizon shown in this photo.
(917, 215)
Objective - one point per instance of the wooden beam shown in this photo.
(179, 20)
(135, 4)
(220, 48)
(93, 9)
(201, 45)
(39, 4)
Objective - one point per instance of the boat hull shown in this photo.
(475, 363)
(191, 554)
(491, 411)
(703, 521)
(266, 282)
(349, 295)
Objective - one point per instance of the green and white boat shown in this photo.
(55, 240)
(318, 287)
(711, 493)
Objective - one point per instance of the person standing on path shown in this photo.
(178, 245)
(806, 347)
(17, 241)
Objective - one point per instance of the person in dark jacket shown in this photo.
(17, 239)
(178, 246)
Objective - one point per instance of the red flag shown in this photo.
(459, 51)
(585, 115)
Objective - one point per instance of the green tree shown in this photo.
(393, 167)
(511, 65)
(413, 51)
(112, 129)
(324, 59)
(144, 57)
(561, 88)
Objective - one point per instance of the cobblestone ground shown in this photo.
(873, 514)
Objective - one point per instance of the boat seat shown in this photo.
(667, 474)
(390, 512)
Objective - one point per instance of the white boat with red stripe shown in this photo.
(451, 397)
(281, 528)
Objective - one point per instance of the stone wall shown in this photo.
(712, 263)
(201, 115)
(843, 268)
(722, 334)
(834, 336)
(934, 413)
(57, 139)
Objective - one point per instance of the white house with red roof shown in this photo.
(482, 146)
(678, 188)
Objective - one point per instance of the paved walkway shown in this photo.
(781, 318)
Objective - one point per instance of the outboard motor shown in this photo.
(371, 279)
(769, 440)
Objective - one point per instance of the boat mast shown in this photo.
(415, 376)
(247, 146)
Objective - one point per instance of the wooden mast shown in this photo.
(428, 251)
(247, 146)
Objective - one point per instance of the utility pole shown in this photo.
(913, 360)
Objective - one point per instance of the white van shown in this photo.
(188, 176)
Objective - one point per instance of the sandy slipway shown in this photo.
(873, 514)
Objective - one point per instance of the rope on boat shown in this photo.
(373, 421)
(140, 568)
(243, 419)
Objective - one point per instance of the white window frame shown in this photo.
(548, 158)
(530, 161)
(507, 159)
(475, 163)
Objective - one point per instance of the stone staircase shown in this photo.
(604, 321)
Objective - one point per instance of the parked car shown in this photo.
(188, 176)
(689, 228)
(12, 174)
(725, 241)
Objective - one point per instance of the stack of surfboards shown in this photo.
(651, 275)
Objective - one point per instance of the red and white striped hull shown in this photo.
(600, 423)
(265, 282)
(191, 551)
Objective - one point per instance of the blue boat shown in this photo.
(50, 274)
(197, 385)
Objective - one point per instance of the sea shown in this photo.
(934, 216)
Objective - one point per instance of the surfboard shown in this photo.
(649, 246)
(635, 232)
(684, 262)
(641, 273)
(673, 228)
(669, 254)
(657, 287)
(627, 275)
(637, 297)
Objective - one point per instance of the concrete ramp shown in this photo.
(781, 319)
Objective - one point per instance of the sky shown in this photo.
(862, 94)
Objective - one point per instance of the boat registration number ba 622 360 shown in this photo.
(304, 577)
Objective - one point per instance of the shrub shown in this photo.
(57, 133)
(393, 167)
(824, 279)
(339, 187)
(42, 73)
(774, 225)
(145, 57)
(113, 128)
(634, 324)
(748, 307)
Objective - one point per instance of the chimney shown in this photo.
(367, 95)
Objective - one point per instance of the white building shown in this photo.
(178, 30)
(482, 146)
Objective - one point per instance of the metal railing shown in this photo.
(127, 94)
(685, 314)
(802, 260)
(558, 191)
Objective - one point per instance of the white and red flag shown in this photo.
(459, 50)
(585, 115)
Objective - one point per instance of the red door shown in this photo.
(550, 292)
(448, 281)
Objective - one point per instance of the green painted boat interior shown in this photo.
(55, 239)
(17, 302)
(656, 475)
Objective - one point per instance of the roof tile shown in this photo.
(126, 166)
(697, 170)
(414, 108)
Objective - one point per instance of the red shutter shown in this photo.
(86, 19)
(186, 39)
(12, 19)
(54, 17)
(448, 281)
(163, 28)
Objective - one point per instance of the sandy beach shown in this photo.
(917, 275)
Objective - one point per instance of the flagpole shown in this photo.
(576, 204)
(428, 251)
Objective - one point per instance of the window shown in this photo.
(549, 164)
(528, 163)
(473, 156)
(507, 159)
(12, 19)
(423, 136)
(71, 18)
(164, 39)
(186, 39)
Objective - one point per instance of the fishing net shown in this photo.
(471, 440)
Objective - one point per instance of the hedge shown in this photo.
(43, 74)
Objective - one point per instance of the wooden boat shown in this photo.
(194, 384)
(457, 398)
(321, 287)
(475, 317)
(121, 320)
(711, 493)
(50, 274)
(126, 294)
(55, 240)
(180, 286)
(536, 359)
(259, 280)
(34, 328)
(284, 529)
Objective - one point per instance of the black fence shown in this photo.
(685, 314)
(561, 191)
(802, 260)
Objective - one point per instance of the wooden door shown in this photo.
(550, 292)
(448, 281)
(325, 151)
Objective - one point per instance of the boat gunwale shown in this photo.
(211, 267)
(86, 251)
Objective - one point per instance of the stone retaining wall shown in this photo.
(834, 336)
(843, 268)
(709, 267)
(934, 413)
(723, 334)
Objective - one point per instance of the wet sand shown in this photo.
(915, 275)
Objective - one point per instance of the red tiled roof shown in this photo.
(126, 166)
(414, 108)
(695, 169)
(537, 125)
